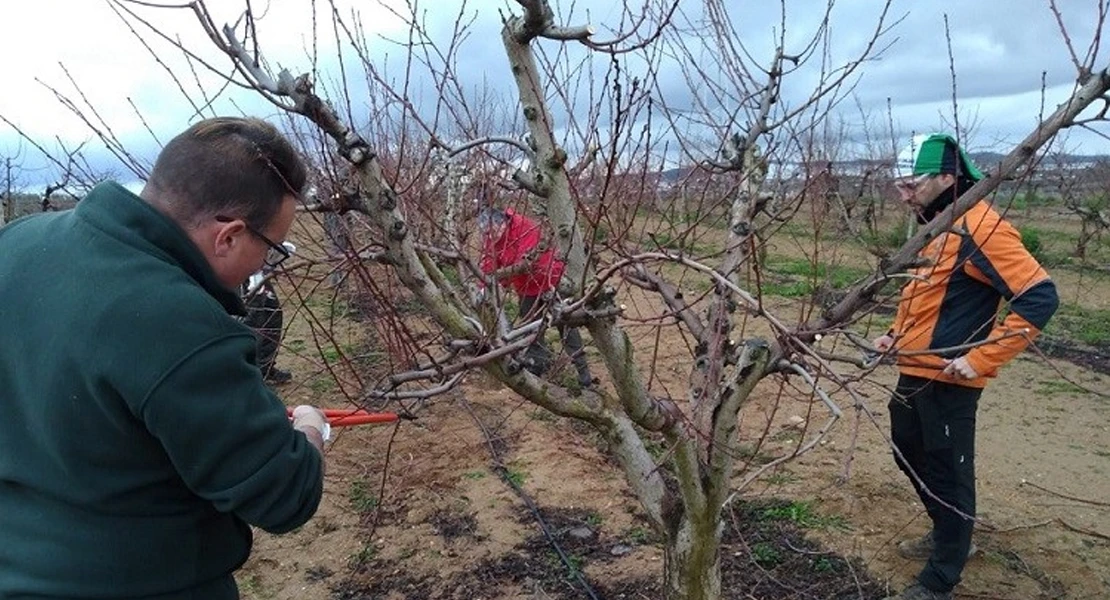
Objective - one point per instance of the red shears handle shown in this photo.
(345, 417)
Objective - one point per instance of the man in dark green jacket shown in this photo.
(138, 441)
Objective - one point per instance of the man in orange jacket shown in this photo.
(949, 341)
(511, 253)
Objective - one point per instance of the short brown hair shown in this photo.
(231, 166)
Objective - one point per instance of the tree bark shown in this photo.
(549, 166)
(692, 559)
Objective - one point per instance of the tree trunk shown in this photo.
(692, 559)
(549, 166)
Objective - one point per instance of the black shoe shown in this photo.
(922, 548)
(277, 376)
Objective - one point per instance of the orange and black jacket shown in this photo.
(969, 276)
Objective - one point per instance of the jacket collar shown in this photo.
(124, 216)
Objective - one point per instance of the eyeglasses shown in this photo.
(277, 253)
(910, 185)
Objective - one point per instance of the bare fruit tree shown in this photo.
(73, 175)
(589, 140)
(10, 167)
(1082, 189)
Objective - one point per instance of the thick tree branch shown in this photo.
(539, 21)
(640, 470)
(722, 437)
(549, 168)
(424, 394)
(672, 297)
(452, 152)
(617, 352)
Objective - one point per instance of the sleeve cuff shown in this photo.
(980, 363)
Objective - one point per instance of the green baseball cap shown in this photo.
(939, 153)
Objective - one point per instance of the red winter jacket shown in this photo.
(520, 237)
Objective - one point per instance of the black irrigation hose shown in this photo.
(503, 473)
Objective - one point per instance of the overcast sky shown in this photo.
(1004, 50)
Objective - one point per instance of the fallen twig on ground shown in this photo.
(1064, 496)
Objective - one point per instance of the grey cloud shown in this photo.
(1001, 50)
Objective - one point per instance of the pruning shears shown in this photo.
(345, 417)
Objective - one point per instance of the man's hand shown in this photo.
(309, 415)
(960, 367)
(883, 343)
(311, 421)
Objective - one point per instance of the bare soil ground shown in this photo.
(431, 509)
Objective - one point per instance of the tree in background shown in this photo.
(10, 167)
(1084, 191)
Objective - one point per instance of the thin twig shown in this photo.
(1062, 495)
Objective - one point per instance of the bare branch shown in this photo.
(1083, 70)
(539, 21)
(490, 140)
(800, 370)
(673, 298)
(610, 46)
(416, 394)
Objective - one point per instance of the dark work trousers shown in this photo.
(265, 317)
(932, 424)
(572, 342)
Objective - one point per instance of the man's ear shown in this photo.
(226, 236)
(947, 179)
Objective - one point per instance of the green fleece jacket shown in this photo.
(137, 438)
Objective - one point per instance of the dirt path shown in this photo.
(447, 519)
(1034, 435)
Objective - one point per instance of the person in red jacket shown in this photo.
(949, 340)
(512, 254)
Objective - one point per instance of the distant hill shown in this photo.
(993, 158)
(981, 159)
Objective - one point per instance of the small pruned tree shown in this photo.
(72, 172)
(10, 167)
(1083, 190)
